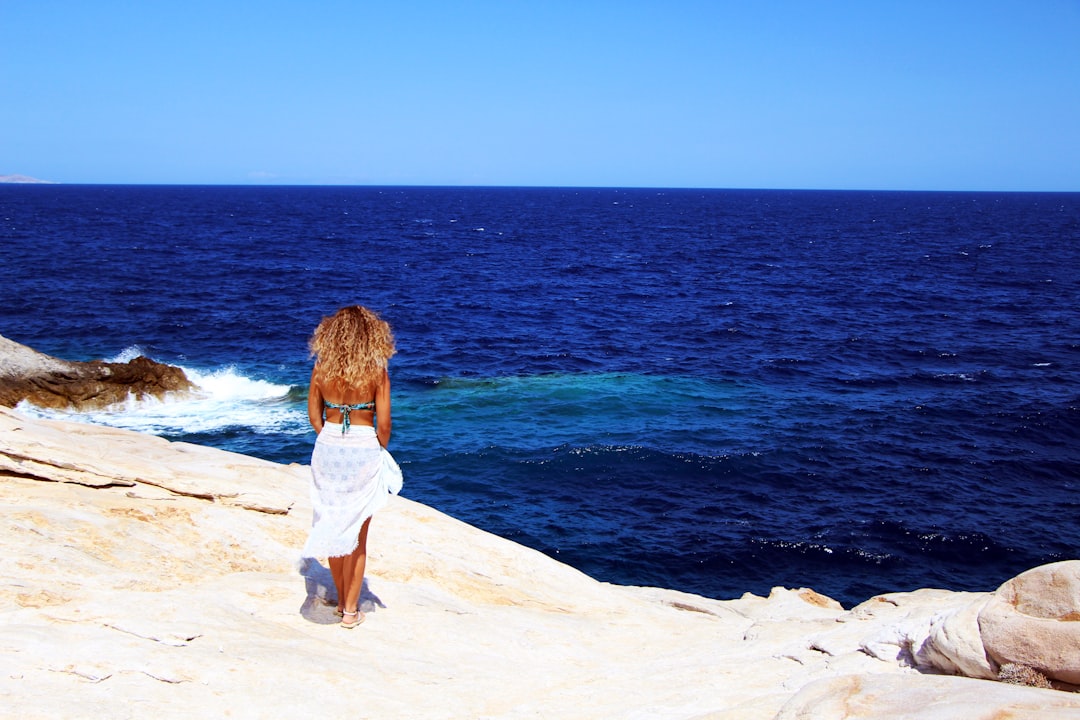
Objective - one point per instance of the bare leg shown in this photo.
(353, 575)
(337, 567)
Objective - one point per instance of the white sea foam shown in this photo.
(127, 354)
(224, 399)
(228, 384)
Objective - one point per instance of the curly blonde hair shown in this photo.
(353, 345)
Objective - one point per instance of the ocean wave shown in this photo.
(224, 398)
(128, 354)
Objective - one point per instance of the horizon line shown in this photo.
(27, 180)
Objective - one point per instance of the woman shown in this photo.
(349, 407)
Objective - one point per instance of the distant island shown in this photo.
(22, 179)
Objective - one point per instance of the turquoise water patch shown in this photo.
(528, 412)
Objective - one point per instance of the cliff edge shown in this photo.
(142, 576)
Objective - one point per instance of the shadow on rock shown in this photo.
(320, 599)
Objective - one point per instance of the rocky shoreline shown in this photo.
(147, 576)
(46, 381)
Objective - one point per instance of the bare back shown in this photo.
(323, 390)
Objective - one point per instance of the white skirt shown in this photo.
(352, 476)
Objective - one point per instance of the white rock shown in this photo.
(180, 593)
(926, 697)
(1032, 620)
(954, 644)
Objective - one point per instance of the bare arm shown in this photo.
(315, 403)
(383, 420)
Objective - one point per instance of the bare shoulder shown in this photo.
(318, 383)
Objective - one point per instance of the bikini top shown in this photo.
(346, 409)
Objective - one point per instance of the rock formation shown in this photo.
(884, 697)
(26, 374)
(1033, 621)
(145, 577)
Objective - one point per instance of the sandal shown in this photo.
(350, 624)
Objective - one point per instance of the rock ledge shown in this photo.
(143, 576)
(46, 381)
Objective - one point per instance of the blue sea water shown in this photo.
(710, 390)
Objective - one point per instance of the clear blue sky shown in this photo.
(857, 94)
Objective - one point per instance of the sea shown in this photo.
(715, 391)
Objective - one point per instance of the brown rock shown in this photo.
(815, 598)
(26, 374)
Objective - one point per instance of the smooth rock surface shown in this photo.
(882, 697)
(142, 578)
(1034, 620)
(954, 643)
